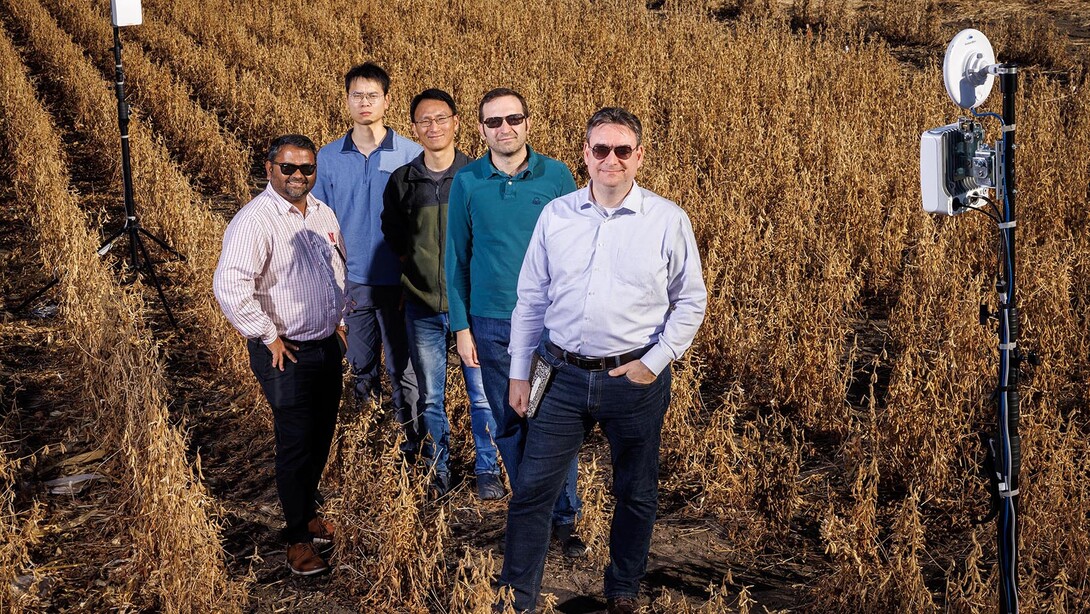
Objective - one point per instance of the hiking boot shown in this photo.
(321, 532)
(440, 486)
(571, 544)
(621, 605)
(489, 487)
(304, 560)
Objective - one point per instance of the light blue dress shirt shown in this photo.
(608, 281)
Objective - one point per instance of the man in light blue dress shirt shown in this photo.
(612, 277)
(352, 175)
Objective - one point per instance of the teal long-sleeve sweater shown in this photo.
(490, 219)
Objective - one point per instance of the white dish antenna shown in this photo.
(965, 68)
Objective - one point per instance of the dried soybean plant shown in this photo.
(167, 201)
(391, 542)
(191, 133)
(176, 548)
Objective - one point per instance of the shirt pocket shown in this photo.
(640, 267)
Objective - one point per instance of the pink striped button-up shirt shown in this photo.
(282, 273)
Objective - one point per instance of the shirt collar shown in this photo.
(533, 162)
(387, 141)
(419, 170)
(283, 207)
(633, 202)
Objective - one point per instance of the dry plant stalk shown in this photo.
(471, 592)
(176, 547)
(19, 529)
(598, 506)
(203, 149)
(390, 539)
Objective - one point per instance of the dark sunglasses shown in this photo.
(512, 120)
(601, 152)
(289, 169)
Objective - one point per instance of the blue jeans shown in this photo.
(376, 322)
(428, 345)
(492, 336)
(630, 416)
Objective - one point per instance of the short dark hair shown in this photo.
(295, 140)
(368, 71)
(431, 94)
(616, 115)
(500, 92)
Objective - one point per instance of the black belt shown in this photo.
(312, 343)
(590, 363)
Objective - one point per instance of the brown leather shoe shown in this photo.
(304, 560)
(621, 605)
(321, 531)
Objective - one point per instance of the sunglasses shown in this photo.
(289, 169)
(601, 152)
(512, 120)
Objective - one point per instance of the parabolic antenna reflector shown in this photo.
(965, 68)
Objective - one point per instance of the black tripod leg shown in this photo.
(149, 273)
(36, 295)
(162, 244)
(106, 245)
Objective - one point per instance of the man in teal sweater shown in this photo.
(494, 205)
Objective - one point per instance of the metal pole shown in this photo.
(131, 227)
(1009, 453)
(126, 160)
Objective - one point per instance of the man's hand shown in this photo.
(635, 371)
(467, 348)
(519, 396)
(280, 349)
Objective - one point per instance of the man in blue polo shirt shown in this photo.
(352, 175)
(494, 204)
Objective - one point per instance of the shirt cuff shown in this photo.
(458, 321)
(270, 336)
(656, 359)
(520, 367)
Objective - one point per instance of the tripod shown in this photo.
(139, 261)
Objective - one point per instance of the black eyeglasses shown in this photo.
(601, 152)
(289, 169)
(442, 121)
(512, 120)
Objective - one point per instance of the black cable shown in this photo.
(984, 211)
(995, 207)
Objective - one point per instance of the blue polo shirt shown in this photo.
(490, 219)
(352, 185)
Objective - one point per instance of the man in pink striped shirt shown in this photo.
(280, 282)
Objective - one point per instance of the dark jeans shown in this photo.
(376, 322)
(492, 336)
(304, 399)
(630, 416)
(429, 335)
